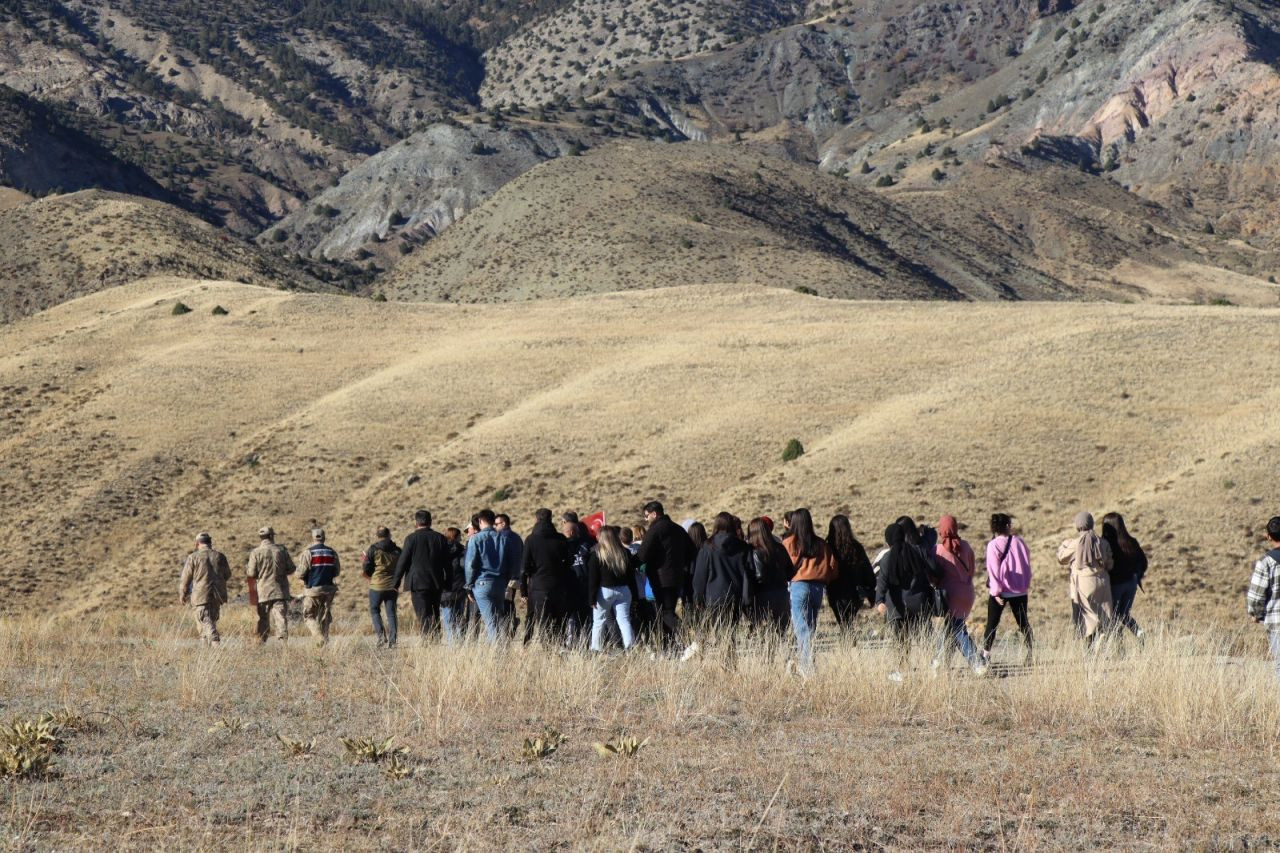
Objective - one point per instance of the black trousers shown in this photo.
(426, 603)
(995, 609)
(845, 610)
(666, 598)
(548, 613)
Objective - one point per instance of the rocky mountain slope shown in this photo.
(63, 247)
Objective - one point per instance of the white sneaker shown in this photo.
(691, 651)
(981, 668)
(935, 668)
(895, 677)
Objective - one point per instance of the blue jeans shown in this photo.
(490, 596)
(806, 602)
(383, 600)
(614, 602)
(1123, 594)
(954, 636)
(452, 621)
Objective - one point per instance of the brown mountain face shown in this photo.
(362, 139)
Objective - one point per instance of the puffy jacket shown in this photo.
(722, 573)
(319, 567)
(772, 570)
(424, 562)
(599, 575)
(667, 552)
(271, 565)
(379, 565)
(204, 578)
(545, 566)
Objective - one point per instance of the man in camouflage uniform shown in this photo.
(319, 568)
(270, 566)
(204, 585)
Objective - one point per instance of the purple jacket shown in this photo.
(1010, 576)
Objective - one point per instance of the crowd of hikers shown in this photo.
(675, 587)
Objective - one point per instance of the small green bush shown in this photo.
(219, 311)
(501, 495)
(180, 308)
(793, 451)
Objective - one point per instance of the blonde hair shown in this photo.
(609, 550)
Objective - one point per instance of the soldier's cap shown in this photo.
(318, 534)
(264, 532)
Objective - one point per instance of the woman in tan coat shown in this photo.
(1089, 557)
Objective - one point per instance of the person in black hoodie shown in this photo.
(856, 581)
(721, 575)
(546, 580)
(667, 553)
(424, 565)
(771, 569)
(904, 590)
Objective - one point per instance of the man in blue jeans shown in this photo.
(485, 573)
(1263, 598)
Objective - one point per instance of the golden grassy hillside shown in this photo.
(128, 429)
(639, 215)
(61, 247)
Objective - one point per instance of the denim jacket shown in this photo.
(484, 558)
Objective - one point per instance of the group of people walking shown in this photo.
(673, 586)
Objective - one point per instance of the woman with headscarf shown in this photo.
(954, 558)
(904, 593)
(1089, 557)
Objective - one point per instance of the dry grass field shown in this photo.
(176, 748)
(127, 428)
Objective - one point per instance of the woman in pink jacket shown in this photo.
(1008, 581)
(955, 563)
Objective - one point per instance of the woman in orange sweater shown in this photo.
(815, 567)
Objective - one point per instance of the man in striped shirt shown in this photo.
(319, 568)
(1263, 598)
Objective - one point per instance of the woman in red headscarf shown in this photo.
(955, 566)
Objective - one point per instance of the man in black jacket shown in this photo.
(666, 552)
(426, 560)
(544, 579)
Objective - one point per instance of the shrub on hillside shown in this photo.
(793, 451)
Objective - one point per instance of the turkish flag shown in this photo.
(593, 523)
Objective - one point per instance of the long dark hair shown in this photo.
(723, 524)
(801, 524)
(759, 537)
(842, 542)
(1001, 524)
(909, 529)
(698, 534)
(1117, 535)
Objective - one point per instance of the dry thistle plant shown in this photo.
(27, 748)
(397, 766)
(296, 748)
(625, 745)
(231, 725)
(368, 750)
(543, 745)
